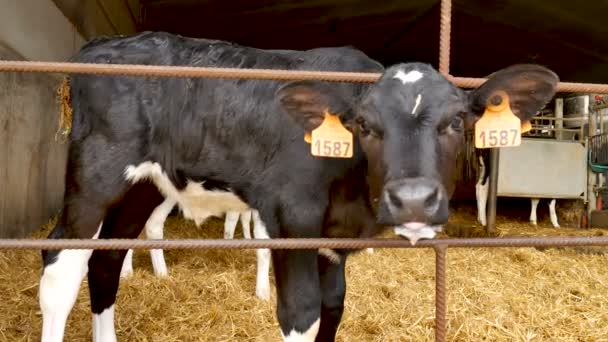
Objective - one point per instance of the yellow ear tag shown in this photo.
(526, 126)
(330, 139)
(307, 137)
(498, 126)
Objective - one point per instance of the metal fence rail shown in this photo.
(439, 245)
(238, 73)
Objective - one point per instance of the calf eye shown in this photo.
(457, 122)
(364, 129)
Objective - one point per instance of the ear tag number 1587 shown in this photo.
(331, 139)
(498, 126)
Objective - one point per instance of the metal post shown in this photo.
(492, 191)
(445, 29)
(559, 116)
(440, 293)
(591, 176)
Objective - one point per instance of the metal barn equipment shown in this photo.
(543, 168)
(564, 156)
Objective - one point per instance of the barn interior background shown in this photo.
(567, 37)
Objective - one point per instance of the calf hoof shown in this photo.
(162, 273)
(263, 292)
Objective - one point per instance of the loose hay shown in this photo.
(502, 294)
(65, 110)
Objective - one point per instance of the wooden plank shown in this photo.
(118, 15)
(100, 17)
(33, 164)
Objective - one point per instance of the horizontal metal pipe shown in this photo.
(292, 243)
(236, 73)
(184, 71)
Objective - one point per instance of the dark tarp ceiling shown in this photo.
(568, 36)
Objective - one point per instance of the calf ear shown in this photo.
(530, 87)
(307, 101)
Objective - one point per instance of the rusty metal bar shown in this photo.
(185, 71)
(445, 30)
(293, 243)
(562, 87)
(236, 73)
(440, 292)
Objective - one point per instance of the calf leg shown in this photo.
(154, 230)
(125, 219)
(333, 286)
(127, 265)
(481, 193)
(262, 286)
(533, 210)
(232, 218)
(64, 270)
(62, 274)
(246, 223)
(298, 294)
(553, 214)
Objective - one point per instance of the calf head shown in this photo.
(410, 125)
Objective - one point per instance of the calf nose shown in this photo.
(416, 200)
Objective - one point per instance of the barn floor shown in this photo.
(518, 294)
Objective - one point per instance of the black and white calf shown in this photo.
(482, 188)
(234, 210)
(154, 230)
(136, 141)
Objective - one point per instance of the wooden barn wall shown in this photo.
(32, 163)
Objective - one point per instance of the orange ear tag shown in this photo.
(526, 126)
(498, 126)
(330, 139)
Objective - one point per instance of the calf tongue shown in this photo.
(414, 225)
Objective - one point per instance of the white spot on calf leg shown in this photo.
(307, 336)
(533, 210)
(553, 214)
(410, 77)
(59, 287)
(127, 265)
(154, 230)
(103, 326)
(262, 286)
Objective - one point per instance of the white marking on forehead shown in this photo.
(418, 99)
(410, 77)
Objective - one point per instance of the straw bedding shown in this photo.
(518, 294)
